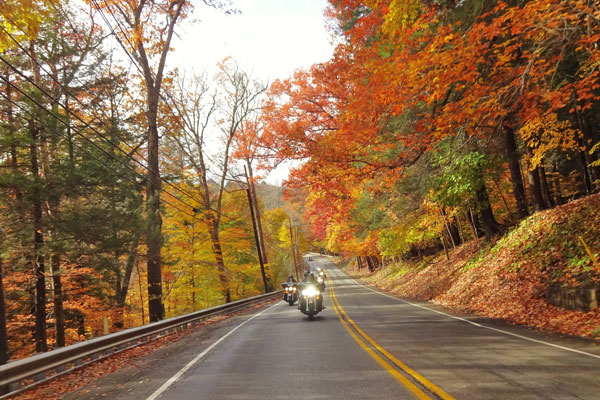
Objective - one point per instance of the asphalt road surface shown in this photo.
(364, 345)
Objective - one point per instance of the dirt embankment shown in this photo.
(507, 278)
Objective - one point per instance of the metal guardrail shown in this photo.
(46, 366)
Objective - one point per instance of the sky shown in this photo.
(269, 38)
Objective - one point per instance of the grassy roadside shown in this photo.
(506, 279)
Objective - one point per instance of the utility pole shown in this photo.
(298, 256)
(261, 235)
(293, 251)
(258, 247)
(260, 258)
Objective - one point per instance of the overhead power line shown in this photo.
(58, 118)
(67, 109)
(86, 124)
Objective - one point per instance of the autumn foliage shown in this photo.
(442, 123)
(437, 123)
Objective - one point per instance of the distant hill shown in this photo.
(271, 196)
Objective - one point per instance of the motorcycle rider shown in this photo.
(288, 283)
(310, 279)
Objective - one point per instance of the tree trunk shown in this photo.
(370, 264)
(41, 344)
(587, 179)
(557, 189)
(3, 334)
(374, 262)
(53, 205)
(359, 263)
(545, 187)
(154, 239)
(453, 236)
(486, 215)
(123, 286)
(153, 82)
(59, 313)
(587, 142)
(474, 224)
(514, 167)
(444, 245)
(140, 288)
(454, 232)
(218, 252)
(535, 184)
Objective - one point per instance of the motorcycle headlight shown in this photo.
(310, 291)
(294, 288)
(286, 289)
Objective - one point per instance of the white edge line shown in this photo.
(178, 375)
(475, 323)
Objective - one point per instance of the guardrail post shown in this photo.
(14, 386)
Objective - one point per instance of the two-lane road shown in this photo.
(281, 355)
(365, 345)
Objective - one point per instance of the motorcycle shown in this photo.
(290, 293)
(321, 278)
(311, 301)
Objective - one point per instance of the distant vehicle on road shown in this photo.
(309, 258)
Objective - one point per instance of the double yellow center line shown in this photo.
(390, 363)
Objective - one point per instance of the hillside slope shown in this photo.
(506, 279)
